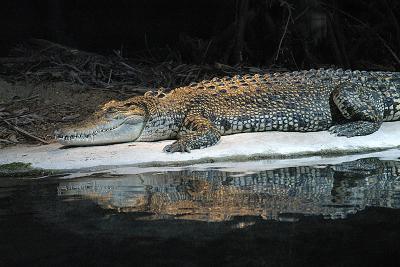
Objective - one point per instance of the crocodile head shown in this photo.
(114, 122)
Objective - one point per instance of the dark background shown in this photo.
(351, 34)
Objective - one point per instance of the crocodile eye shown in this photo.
(111, 110)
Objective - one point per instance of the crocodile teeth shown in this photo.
(88, 135)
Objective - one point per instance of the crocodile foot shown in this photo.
(176, 146)
(356, 128)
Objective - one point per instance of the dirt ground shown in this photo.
(30, 113)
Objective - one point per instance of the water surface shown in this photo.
(346, 214)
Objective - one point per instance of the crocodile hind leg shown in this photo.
(199, 133)
(362, 107)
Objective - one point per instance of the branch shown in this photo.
(289, 9)
(385, 44)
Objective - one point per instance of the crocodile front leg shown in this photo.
(362, 107)
(198, 132)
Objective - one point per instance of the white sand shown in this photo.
(240, 146)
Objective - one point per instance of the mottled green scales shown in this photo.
(348, 103)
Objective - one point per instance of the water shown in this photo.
(346, 214)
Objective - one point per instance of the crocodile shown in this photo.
(347, 103)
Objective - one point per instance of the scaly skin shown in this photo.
(348, 103)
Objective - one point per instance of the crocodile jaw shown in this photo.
(106, 132)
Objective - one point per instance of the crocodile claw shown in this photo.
(342, 130)
(176, 147)
(356, 128)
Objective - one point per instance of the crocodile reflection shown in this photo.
(213, 195)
